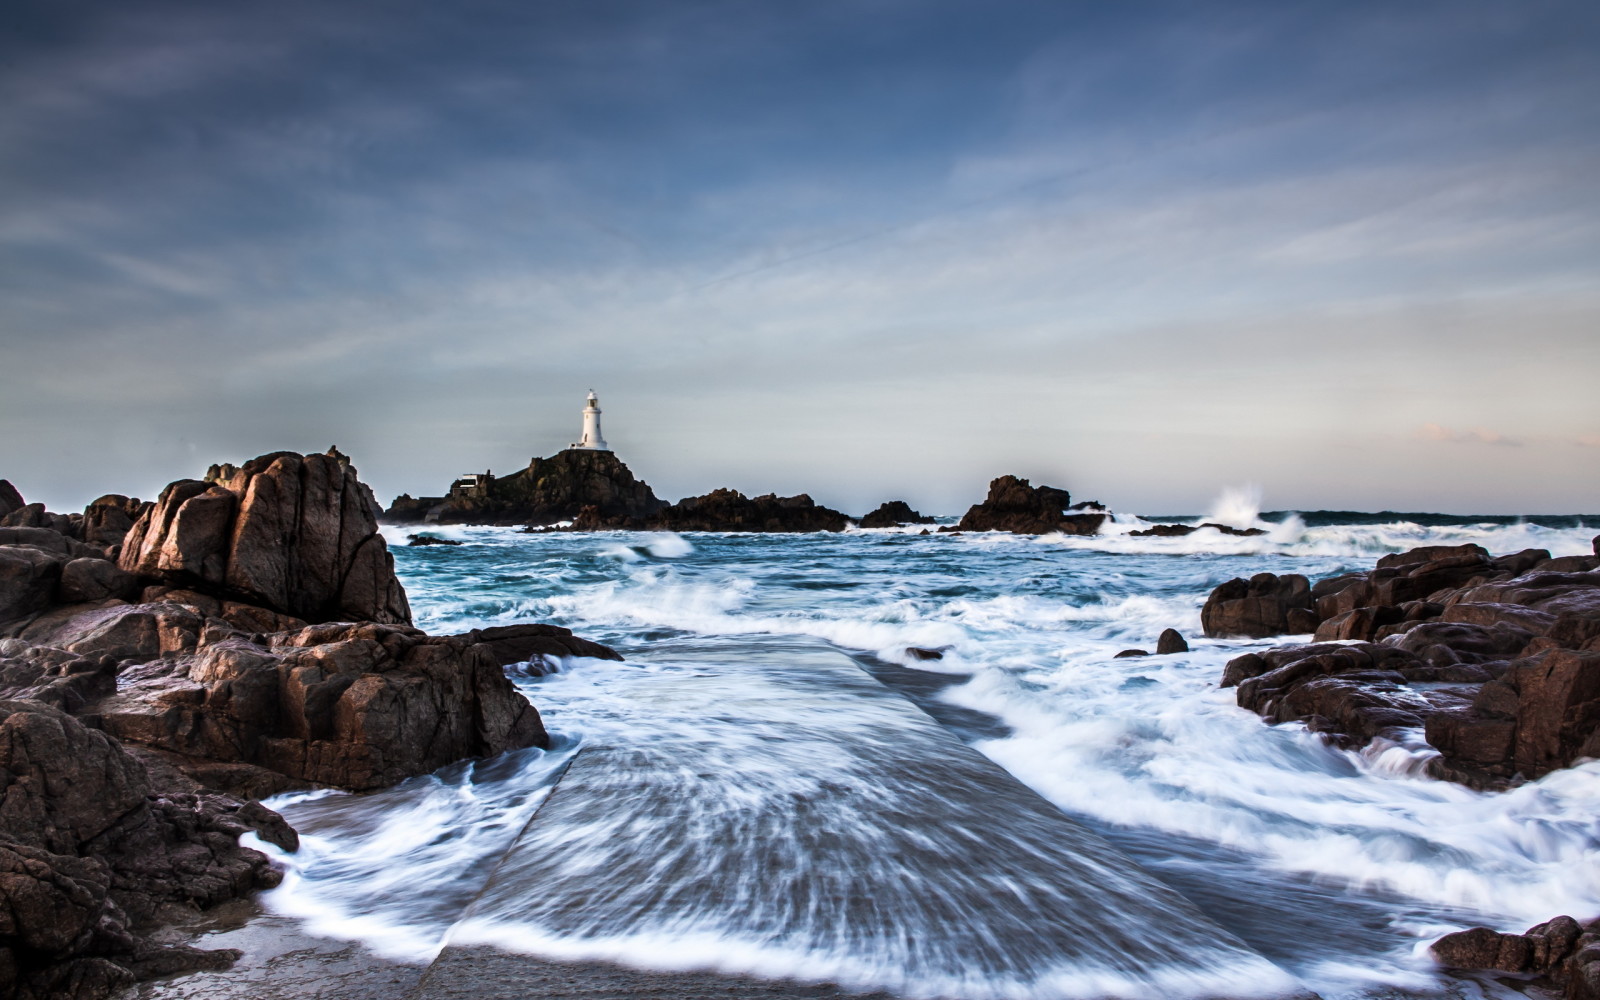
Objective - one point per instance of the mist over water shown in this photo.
(1337, 866)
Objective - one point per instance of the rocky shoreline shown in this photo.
(165, 665)
(1493, 661)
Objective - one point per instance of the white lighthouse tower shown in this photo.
(591, 439)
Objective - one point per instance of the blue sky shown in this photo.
(1143, 251)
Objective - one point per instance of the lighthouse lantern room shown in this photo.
(591, 439)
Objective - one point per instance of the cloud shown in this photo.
(1588, 440)
(1475, 435)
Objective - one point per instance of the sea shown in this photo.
(1338, 866)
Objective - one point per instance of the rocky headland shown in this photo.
(1016, 506)
(164, 665)
(1493, 661)
(553, 489)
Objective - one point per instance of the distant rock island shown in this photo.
(553, 489)
(588, 485)
(1016, 506)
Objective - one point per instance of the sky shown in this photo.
(865, 249)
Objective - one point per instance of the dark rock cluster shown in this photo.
(1496, 660)
(1261, 606)
(1561, 952)
(163, 665)
(1016, 506)
(1179, 530)
(892, 514)
(549, 490)
(723, 510)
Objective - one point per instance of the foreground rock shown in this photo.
(1015, 506)
(133, 734)
(1496, 660)
(1261, 606)
(549, 490)
(359, 706)
(1561, 952)
(91, 849)
(294, 533)
(892, 514)
(723, 510)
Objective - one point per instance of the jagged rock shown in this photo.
(1016, 506)
(413, 540)
(724, 510)
(893, 513)
(1560, 952)
(1265, 605)
(296, 534)
(10, 499)
(108, 520)
(138, 632)
(516, 643)
(1131, 653)
(1179, 530)
(1171, 641)
(549, 490)
(87, 579)
(90, 850)
(1502, 670)
(359, 706)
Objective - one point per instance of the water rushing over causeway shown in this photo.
(756, 747)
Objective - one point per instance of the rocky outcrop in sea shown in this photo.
(1016, 506)
(164, 665)
(549, 490)
(893, 514)
(1496, 660)
(723, 510)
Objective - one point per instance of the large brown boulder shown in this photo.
(359, 706)
(1016, 506)
(294, 533)
(1264, 605)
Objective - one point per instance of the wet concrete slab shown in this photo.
(817, 835)
(278, 961)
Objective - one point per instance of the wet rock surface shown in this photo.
(1561, 953)
(1495, 660)
(1016, 506)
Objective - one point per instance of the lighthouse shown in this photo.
(591, 439)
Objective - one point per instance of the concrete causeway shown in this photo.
(811, 833)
